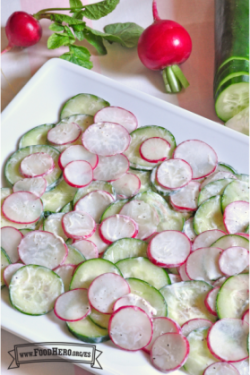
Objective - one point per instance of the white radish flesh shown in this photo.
(174, 278)
(234, 260)
(78, 173)
(10, 240)
(9, 272)
(245, 317)
(117, 115)
(116, 227)
(186, 198)
(72, 305)
(77, 152)
(105, 290)
(64, 133)
(188, 229)
(87, 248)
(155, 149)
(53, 224)
(37, 165)
(111, 168)
(236, 217)
(35, 185)
(203, 264)
(193, 324)
(217, 175)
(135, 300)
(207, 238)
(183, 273)
(221, 368)
(174, 174)
(78, 225)
(65, 271)
(96, 239)
(210, 300)
(106, 139)
(127, 185)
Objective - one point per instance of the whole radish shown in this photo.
(162, 46)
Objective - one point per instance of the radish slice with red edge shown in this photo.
(202, 157)
(186, 198)
(243, 235)
(96, 239)
(135, 300)
(94, 203)
(174, 278)
(155, 149)
(105, 290)
(37, 165)
(78, 225)
(9, 272)
(35, 185)
(227, 340)
(130, 328)
(236, 217)
(162, 325)
(194, 324)
(22, 207)
(245, 317)
(127, 186)
(65, 271)
(169, 352)
(65, 133)
(117, 115)
(221, 368)
(188, 229)
(217, 176)
(202, 264)
(78, 173)
(43, 249)
(10, 240)
(106, 139)
(183, 273)
(174, 174)
(87, 248)
(77, 152)
(219, 282)
(116, 227)
(233, 260)
(169, 248)
(210, 300)
(111, 168)
(72, 305)
(207, 238)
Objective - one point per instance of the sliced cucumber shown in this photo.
(36, 136)
(56, 199)
(53, 224)
(67, 208)
(12, 166)
(240, 122)
(243, 177)
(231, 240)
(141, 134)
(144, 177)
(235, 191)
(100, 319)
(34, 289)
(223, 167)
(232, 300)
(87, 331)
(141, 268)
(5, 261)
(213, 188)
(83, 104)
(247, 230)
(74, 256)
(113, 209)
(209, 216)
(125, 248)
(84, 121)
(186, 300)
(5, 192)
(95, 185)
(222, 79)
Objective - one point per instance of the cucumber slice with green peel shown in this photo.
(56, 199)
(235, 191)
(89, 270)
(113, 209)
(100, 319)
(141, 134)
(243, 177)
(223, 167)
(12, 166)
(141, 268)
(25, 231)
(34, 289)
(144, 177)
(209, 216)
(5, 192)
(222, 79)
(87, 331)
(186, 300)
(83, 104)
(125, 248)
(5, 261)
(213, 188)
(247, 230)
(240, 122)
(231, 240)
(234, 62)
(84, 121)
(152, 295)
(36, 136)
(94, 185)
(74, 256)
(67, 208)
(7, 223)
(232, 300)
(53, 224)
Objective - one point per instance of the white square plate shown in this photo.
(39, 102)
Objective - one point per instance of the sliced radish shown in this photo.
(35, 185)
(169, 352)
(217, 176)
(43, 249)
(203, 264)
(174, 174)
(233, 260)
(186, 198)
(219, 282)
(183, 273)
(96, 239)
(106, 139)
(135, 300)
(78, 225)
(162, 325)
(117, 115)
(22, 207)
(236, 217)
(9, 272)
(227, 340)
(10, 240)
(144, 215)
(207, 238)
(64, 133)
(193, 324)
(188, 229)
(77, 152)
(210, 300)
(72, 305)
(169, 249)
(245, 317)
(221, 368)
(65, 271)
(78, 173)
(127, 185)
(111, 168)
(105, 290)
(87, 248)
(202, 157)
(37, 165)
(130, 328)
(116, 227)
(246, 235)
(155, 149)
(174, 278)
(94, 203)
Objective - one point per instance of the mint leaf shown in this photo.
(95, 40)
(64, 18)
(99, 10)
(58, 40)
(69, 33)
(79, 56)
(56, 27)
(78, 30)
(81, 52)
(75, 3)
(127, 33)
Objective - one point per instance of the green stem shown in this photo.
(179, 74)
(174, 79)
(38, 15)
